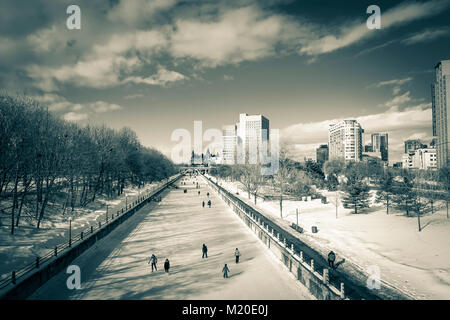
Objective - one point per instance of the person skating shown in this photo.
(153, 260)
(331, 259)
(225, 271)
(205, 251)
(237, 254)
(199, 193)
(203, 204)
(207, 194)
(167, 265)
(209, 203)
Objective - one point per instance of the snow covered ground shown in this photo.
(415, 262)
(28, 242)
(117, 266)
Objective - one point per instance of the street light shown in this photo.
(107, 213)
(70, 231)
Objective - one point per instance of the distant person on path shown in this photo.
(153, 260)
(203, 204)
(205, 251)
(331, 259)
(209, 203)
(199, 193)
(237, 254)
(207, 194)
(225, 271)
(167, 265)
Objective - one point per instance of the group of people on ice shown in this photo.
(225, 269)
(153, 260)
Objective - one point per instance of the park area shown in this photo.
(417, 263)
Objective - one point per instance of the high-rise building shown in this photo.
(252, 132)
(322, 154)
(243, 141)
(229, 144)
(440, 101)
(345, 140)
(433, 110)
(380, 144)
(413, 145)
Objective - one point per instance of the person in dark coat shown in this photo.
(225, 271)
(209, 203)
(199, 193)
(207, 194)
(203, 204)
(331, 259)
(153, 260)
(167, 265)
(205, 251)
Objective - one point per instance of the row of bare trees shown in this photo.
(44, 159)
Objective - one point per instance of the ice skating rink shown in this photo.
(117, 266)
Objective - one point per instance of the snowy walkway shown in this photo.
(116, 267)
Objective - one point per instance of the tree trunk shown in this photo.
(14, 206)
(447, 207)
(418, 220)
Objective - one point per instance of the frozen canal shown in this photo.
(117, 266)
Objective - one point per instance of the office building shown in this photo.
(322, 154)
(380, 144)
(229, 144)
(252, 132)
(345, 140)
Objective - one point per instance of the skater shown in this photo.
(225, 271)
(199, 193)
(331, 258)
(153, 260)
(207, 194)
(209, 203)
(205, 251)
(167, 266)
(237, 254)
(203, 204)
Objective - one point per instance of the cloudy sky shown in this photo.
(158, 65)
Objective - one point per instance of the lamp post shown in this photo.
(107, 207)
(70, 231)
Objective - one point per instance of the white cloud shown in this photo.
(399, 100)
(238, 35)
(101, 107)
(161, 78)
(227, 77)
(426, 36)
(393, 82)
(72, 116)
(399, 15)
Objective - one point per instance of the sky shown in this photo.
(157, 66)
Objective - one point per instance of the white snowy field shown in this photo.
(417, 263)
(28, 242)
(117, 266)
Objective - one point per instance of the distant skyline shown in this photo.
(156, 66)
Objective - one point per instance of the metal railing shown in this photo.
(34, 266)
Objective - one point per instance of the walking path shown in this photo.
(117, 266)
